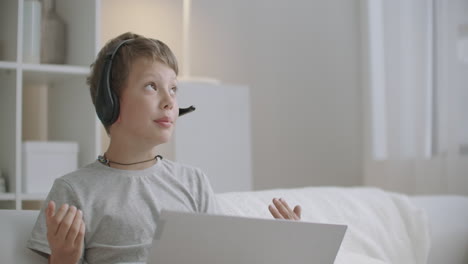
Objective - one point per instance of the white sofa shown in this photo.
(383, 227)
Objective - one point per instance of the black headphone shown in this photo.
(107, 102)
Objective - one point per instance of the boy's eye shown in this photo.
(150, 87)
(174, 90)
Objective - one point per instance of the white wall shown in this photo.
(301, 60)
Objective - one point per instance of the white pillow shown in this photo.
(448, 221)
(382, 226)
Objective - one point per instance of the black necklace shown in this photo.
(103, 159)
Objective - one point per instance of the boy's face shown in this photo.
(148, 104)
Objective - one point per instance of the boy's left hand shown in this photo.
(280, 210)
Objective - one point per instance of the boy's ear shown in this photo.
(183, 111)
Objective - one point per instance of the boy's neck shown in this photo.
(123, 152)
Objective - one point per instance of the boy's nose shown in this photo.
(167, 102)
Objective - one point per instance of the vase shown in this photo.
(32, 31)
(53, 37)
(35, 112)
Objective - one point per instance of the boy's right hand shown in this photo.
(65, 233)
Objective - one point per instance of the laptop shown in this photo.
(211, 239)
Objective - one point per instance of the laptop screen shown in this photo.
(203, 238)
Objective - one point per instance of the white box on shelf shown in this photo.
(44, 161)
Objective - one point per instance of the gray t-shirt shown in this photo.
(120, 207)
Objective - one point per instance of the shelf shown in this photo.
(53, 74)
(7, 196)
(58, 93)
(56, 68)
(8, 65)
(33, 196)
(60, 107)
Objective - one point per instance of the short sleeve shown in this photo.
(207, 199)
(60, 193)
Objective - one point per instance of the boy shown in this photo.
(108, 209)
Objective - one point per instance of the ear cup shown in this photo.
(107, 103)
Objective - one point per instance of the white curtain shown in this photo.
(416, 96)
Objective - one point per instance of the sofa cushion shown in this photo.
(382, 227)
(15, 229)
(448, 227)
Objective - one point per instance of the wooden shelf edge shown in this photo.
(7, 196)
(8, 65)
(33, 196)
(55, 68)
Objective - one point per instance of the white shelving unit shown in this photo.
(70, 113)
